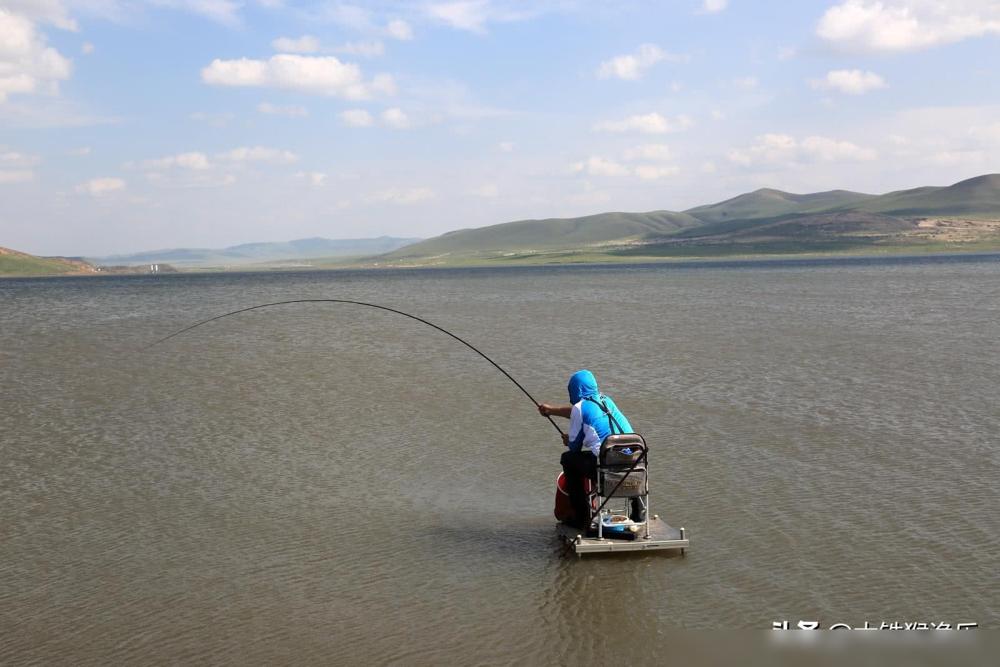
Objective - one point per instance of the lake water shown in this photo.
(328, 483)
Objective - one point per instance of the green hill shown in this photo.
(14, 263)
(768, 203)
(976, 197)
(835, 224)
(963, 216)
(771, 212)
(550, 234)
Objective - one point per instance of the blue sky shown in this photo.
(137, 124)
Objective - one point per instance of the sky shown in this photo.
(130, 125)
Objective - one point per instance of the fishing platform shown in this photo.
(621, 475)
(661, 537)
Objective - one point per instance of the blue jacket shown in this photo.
(588, 423)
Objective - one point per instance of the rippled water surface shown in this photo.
(317, 483)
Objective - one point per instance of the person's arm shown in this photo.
(574, 435)
(547, 410)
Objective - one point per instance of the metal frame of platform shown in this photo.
(661, 537)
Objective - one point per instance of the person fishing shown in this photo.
(592, 418)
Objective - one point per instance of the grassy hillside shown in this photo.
(768, 203)
(976, 197)
(14, 263)
(550, 234)
(964, 216)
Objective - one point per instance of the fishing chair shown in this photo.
(621, 473)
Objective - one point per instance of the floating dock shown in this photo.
(661, 537)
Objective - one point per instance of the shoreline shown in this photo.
(802, 258)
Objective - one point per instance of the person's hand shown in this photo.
(565, 437)
(544, 409)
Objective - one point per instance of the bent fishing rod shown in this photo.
(369, 305)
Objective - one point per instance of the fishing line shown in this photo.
(369, 305)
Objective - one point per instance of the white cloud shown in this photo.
(314, 178)
(15, 159)
(506, 146)
(786, 150)
(714, 6)
(383, 84)
(399, 29)
(590, 197)
(16, 176)
(193, 160)
(363, 49)
(53, 12)
(948, 136)
(363, 21)
(649, 152)
(652, 172)
(989, 133)
(466, 15)
(220, 119)
(632, 66)
(86, 48)
(258, 154)
(82, 151)
(395, 118)
(196, 169)
(487, 191)
(652, 155)
(746, 82)
(651, 123)
(598, 166)
(323, 75)
(222, 11)
(895, 25)
(203, 179)
(357, 118)
(474, 15)
(288, 111)
(349, 16)
(303, 44)
(825, 149)
(404, 196)
(957, 158)
(27, 64)
(99, 187)
(849, 81)
(770, 148)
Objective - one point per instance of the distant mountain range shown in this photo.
(960, 217)
(965, 215)
(259, 253)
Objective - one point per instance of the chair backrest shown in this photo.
(621, 450)
(621, 466)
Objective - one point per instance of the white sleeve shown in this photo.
(575, 422)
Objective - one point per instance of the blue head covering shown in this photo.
(582, 384)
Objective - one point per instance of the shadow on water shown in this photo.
(518, 540)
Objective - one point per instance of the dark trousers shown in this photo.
(578, 466)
